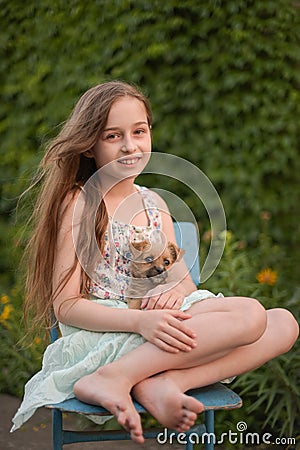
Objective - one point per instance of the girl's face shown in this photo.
(124, 147)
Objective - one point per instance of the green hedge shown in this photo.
(223, 78)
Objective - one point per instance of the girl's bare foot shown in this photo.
(164, 400)
(113, 393)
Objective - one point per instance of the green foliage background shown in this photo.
(224, 81)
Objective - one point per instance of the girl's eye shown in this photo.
(149, 259)
(166, 262)
(111, 136)
(139, 131)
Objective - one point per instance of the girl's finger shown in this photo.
(178, 336)
(166, 347)
(162, 303)
(179, 314)
(175, 343)
(152, 301)
(173, 303)
(145, 302)
(181, 328)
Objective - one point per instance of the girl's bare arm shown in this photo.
(69, 306)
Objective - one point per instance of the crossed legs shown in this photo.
(234, 335)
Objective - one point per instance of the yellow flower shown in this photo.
(265, 216)
(37, 340)
(267, 276)
(207, 236)
(4, 299)
(5, 313)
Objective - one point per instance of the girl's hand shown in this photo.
(164, 297)
(166, 330)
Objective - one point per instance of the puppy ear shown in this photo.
(138, 247)
(180, 254)
(176, 252)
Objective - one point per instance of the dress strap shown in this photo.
(151, 207)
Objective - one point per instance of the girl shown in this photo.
(79, 268)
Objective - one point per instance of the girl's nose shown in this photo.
(128, 146)
(126, 149)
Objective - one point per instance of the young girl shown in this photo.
(88, 211)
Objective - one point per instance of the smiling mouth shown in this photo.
(130, 161)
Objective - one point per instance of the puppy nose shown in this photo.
(159, 270)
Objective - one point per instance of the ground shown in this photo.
(36, 434)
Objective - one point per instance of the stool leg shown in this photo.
(189, 445)
(57, 429)
(210, 429)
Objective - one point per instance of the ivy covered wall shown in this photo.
(223, 78)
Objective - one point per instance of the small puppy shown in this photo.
(149, 265)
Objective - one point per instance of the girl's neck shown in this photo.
(119, 190)
(125, 204)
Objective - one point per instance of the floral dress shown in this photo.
(80, 352)
(111, 277)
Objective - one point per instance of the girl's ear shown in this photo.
(89, 153)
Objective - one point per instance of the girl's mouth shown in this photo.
(129, 161)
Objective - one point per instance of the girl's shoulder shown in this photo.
(71, 199)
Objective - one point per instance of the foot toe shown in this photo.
(190, 415)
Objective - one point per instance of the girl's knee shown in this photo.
(286, 328)
(252, 318)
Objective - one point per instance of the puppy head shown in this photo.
(152, 260)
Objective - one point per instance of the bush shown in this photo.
(20, 358)
(271, 393)
(223, 78)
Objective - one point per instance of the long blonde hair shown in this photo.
(62, 171)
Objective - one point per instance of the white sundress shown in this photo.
(80, 352)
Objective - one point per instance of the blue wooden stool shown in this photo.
(214, 397)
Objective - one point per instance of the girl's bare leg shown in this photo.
(155, 393)
(110, 385)
(236, 322)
